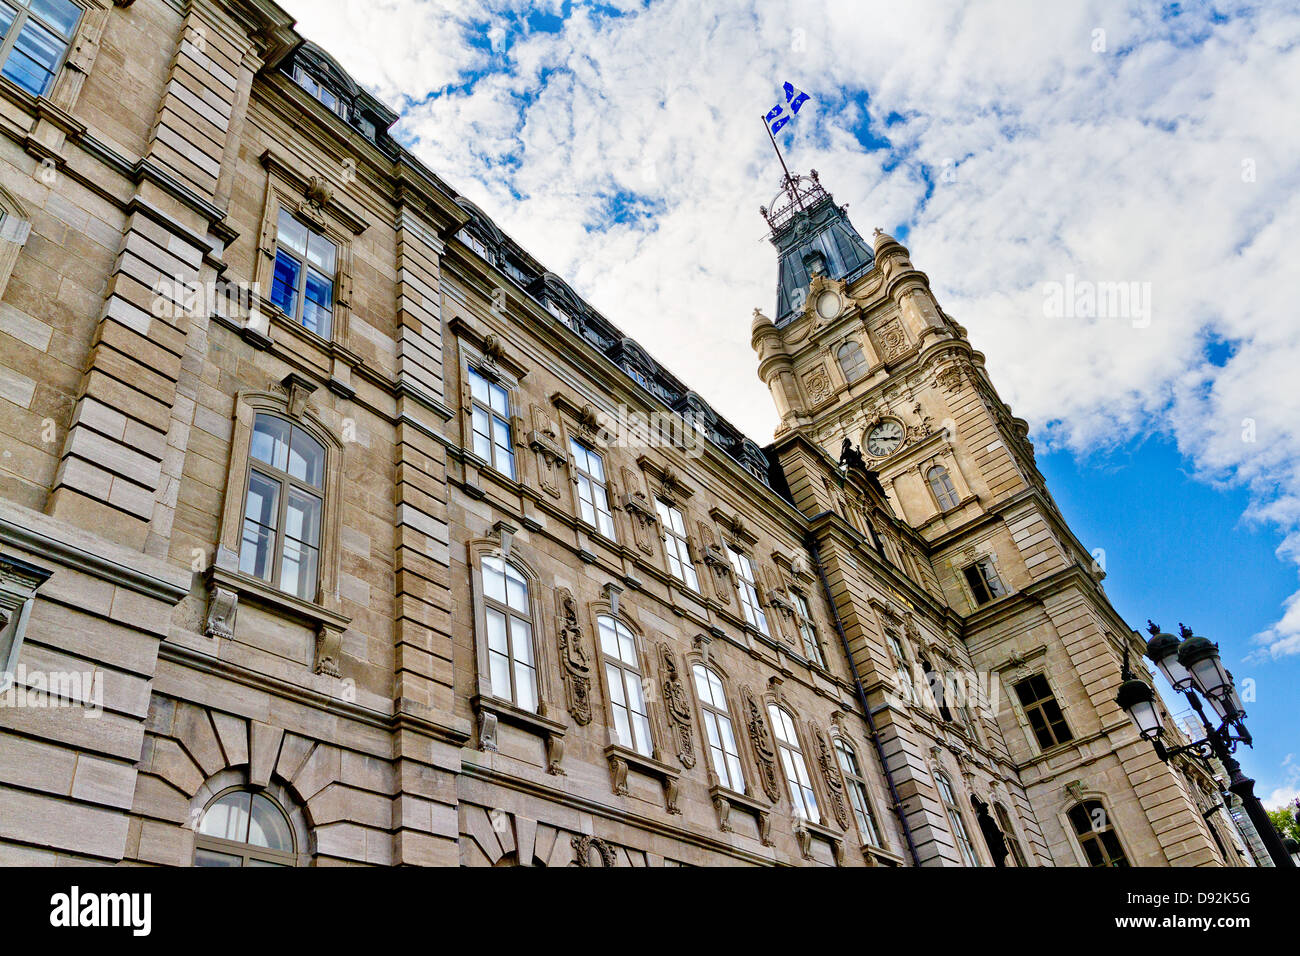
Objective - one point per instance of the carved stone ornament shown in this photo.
(584, 844)
(717, 562)
(316, 196)
(223, 603)
(544, 440)
(297, 390)
(644, 520)
(890, 340)
(618, 774)
(574, 660)
(677, 706)
(834, 783)
(949, 379)
(761, 738)
(818, 385)
(487, 731)
(329, 647)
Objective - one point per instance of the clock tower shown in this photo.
(976, 570)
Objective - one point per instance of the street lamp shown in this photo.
(1192, 665)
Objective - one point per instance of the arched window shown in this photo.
(1009, 832)
(244, 828)
(1097, 838)
(283, 507)
(508, 620)
(941, 484)
(623, 675)
(960, 835)
(797, 780)
(853, 363)
(723, 752)
(859, 796)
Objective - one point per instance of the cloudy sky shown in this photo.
(1155, 144)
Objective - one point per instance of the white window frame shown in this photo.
(625, 685)
(798, 782)
(518, 668)
(719, 728)
(747, 588)
(677, 549)
(592, 490)
(502, 455)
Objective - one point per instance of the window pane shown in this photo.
(255, 550)
(614, 676)
(496, 632)
(321, 253)
(494, 579)
(291, 233)
(500, 399)
(302, 517)
(608, 639)
(318, 304)
(7, 15)
(227, 819)
(521, 640)
(268, 827)
(270, 441)
(525, 687)
(263, 499)
(284, 282)
(306, 458)
(35, 54)
(499, 674)
(213, 858)
(641, 726)
(298, 569)
(478, 387)
(626, 646)
(516, 590)
(59, 14)
(702, 684)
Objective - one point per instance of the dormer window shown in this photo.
(474, 242)
(553, 307)
(323, 93)
(638, 376)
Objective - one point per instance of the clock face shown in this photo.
(885, 439)
(828, 305)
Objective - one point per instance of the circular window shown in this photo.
(244, 828)
(828, 305)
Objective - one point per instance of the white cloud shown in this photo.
(1290, 790)
(1122, 165)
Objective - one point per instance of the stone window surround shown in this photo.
(838, 734)
(1079, 797)
(944, 458)
(310, 199)
(1023, 720)
(490, 708)
(622, 758)
(15, 227)
(804, 830)
(19, 581)
(227, 584)
(237, 778)
(961, 800)
(77, 58)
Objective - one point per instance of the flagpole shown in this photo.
(776, 147)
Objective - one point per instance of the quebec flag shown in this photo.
(781, 114)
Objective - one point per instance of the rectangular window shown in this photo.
(675, 546)
(593, 498)
(1043, 712)
(748, 590)
(984, 582)
(623, 675)
(283, 507)
(302, 283)
(37, 34)
(812, 648)
(490, 422)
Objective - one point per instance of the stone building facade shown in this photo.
(335, 529)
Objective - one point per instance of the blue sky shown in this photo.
(1156, 144)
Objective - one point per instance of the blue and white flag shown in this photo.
(781, 114)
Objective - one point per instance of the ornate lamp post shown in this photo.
(1192, 666)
